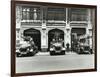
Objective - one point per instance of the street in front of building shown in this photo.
(42, 62)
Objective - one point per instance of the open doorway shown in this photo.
(35, 35)
(75, 33)
(55, 34)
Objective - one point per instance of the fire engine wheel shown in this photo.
(18, 55)
(30, 54)
(63, 52)
(51, 53)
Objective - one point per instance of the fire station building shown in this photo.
(43, 22)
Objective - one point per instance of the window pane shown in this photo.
(56, 14)
(31, 13)
(78, 14)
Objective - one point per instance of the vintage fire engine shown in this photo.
(84, 46)
(57, 47)
(27, 48)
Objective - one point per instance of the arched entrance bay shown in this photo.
(36, 36)
(75, 33)
(55, 34)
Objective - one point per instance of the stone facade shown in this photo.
(44, 26)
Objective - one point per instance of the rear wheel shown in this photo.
(18, 54)
(91, 52)
(51, 53)
(63, 52)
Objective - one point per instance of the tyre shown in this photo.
(30, 54)
(18, 54)
(91, 52)
(51, 53)
(33, 53)
(63, 52)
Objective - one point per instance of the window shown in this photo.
(30, 13)
(77, 14)
(56, 14)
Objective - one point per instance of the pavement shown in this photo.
(42, 62)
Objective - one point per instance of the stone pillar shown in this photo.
(67, 31)
(21, 34)
(68, 35)
(89, 28)
(18, 16)
(43, 40)
(43, 32)
(93, 29)
(44, 37)
(18, 22)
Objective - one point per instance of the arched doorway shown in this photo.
(55, 34)
(75, 33)
(35, 34)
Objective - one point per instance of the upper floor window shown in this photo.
(78, 14)
(56, 14)
(30, 13)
